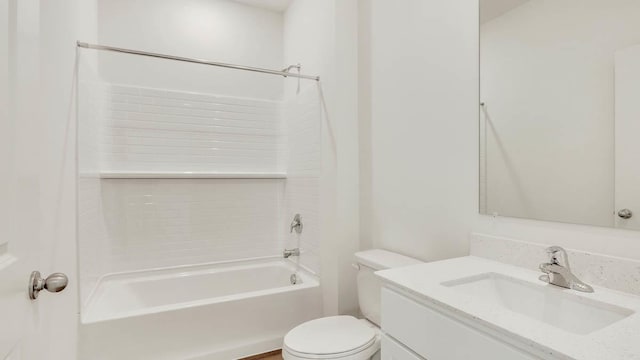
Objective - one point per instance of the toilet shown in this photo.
(346, 337)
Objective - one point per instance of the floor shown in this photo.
(272, 355)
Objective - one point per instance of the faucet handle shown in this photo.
(296, 224)
(553, 251)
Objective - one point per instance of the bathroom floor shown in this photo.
(272, 355)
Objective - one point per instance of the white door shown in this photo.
(627, 133)
(18, 256)
(27, 328)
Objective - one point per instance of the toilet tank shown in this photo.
(369, 286)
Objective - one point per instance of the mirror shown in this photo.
(560, 110)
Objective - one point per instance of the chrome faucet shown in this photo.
(296, 224)
(291, 252)
(556, 274)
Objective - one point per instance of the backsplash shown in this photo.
(595, 269)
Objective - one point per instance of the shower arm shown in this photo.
(288, 69)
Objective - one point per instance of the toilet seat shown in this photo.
(335, 337)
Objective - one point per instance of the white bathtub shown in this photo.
(216, 311)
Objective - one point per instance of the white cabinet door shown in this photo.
(627, 130)
(19, 177)
(392, 350)
(436, 336)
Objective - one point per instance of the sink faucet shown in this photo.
(291, 252)
(559, 275)
(296, 224)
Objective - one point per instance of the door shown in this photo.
(18, 235)
(627, 114)
(32, 187)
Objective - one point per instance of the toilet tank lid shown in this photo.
(379, 259)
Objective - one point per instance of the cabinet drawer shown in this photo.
(391, 350)
(436, 336)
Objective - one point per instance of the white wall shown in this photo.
(423, 128)
(549, 97)
(322, 35)
(219, 30)
(364, 123)
(346, 128)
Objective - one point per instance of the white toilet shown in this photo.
(345, 337)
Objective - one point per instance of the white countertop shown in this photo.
(620, 340)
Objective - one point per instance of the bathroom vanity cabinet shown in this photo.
(414, 330)
(474, 308)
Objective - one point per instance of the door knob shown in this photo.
(625, 213)
(54, 283)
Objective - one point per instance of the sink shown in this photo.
(555, 306)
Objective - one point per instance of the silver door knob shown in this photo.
(625, 213)
(54, 283)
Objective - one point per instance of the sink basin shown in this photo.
(550, 304)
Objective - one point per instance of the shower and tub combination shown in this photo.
(185, 199)
(214, 311)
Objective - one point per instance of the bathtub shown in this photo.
(215, 311)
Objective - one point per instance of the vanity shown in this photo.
(476, 308)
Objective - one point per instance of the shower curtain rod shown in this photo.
(196, 61)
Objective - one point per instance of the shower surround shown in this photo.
(170, 179)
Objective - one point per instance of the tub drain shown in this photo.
(294, 279)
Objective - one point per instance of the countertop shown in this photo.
(620, 340)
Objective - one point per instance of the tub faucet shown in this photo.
(556, 274)
(296, 224)
(291, 252)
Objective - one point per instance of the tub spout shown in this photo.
(291, 252)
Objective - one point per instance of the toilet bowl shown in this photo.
(334, 337)
(346, 337)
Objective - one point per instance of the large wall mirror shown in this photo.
(560, 110)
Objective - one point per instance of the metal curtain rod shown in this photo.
(196, 61)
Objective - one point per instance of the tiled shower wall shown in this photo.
(166, 222)
(162, 130)
(137, 224)
(92, 232)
